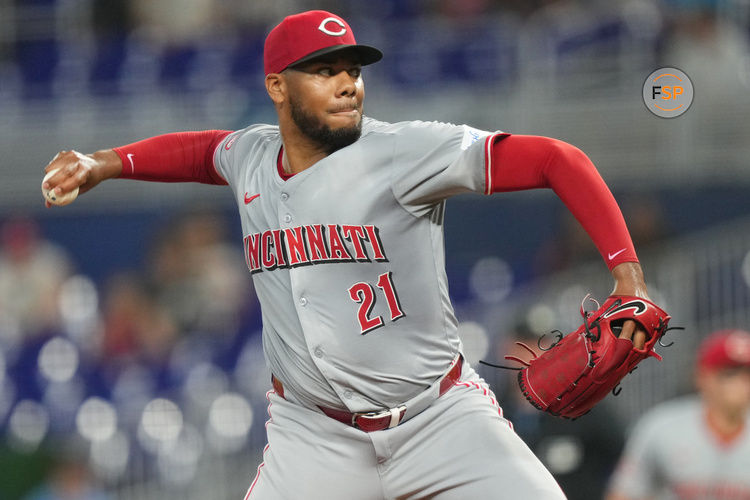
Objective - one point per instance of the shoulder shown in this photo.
(671, 416)
(250, 141)
(258, 132)
(372, 126)
(246, 149)
(417, 138)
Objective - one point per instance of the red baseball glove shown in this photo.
(581, 368)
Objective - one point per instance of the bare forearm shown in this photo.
(109, 164)
(629, 280)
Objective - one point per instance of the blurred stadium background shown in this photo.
(130, 352)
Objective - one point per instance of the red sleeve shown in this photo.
(517, 162)
(177, 157)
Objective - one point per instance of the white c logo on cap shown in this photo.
(325, 30)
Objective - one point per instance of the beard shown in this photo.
(330, 139)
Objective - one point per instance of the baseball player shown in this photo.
(342, 217)
(697, 447)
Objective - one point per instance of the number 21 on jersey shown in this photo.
(364, 294)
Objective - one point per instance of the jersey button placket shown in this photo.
(284, 208)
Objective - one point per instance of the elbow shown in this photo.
(565, 154)
(564, 159)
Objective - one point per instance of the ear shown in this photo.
(276, 87)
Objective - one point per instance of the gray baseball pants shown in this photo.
(460, 448)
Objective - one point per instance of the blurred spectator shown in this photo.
(521, 7)
(712, 50)
(263, 15)
(69, 477)
(463, 10)
(194, 275)
(184, 22)
(31, 273)
(695, 447)
(644, 214)
(7, 29)
(174, 22)
(135, 325)
(111, 18)
(570, 245)
(580, 454)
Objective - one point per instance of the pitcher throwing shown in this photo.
(342, 217)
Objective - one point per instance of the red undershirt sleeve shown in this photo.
(519, 162)
(176, 157)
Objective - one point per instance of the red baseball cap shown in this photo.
(310, 34)
(725, 349)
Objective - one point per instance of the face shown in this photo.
(727, 389)
(325, 100)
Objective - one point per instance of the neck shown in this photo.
(725, 425)
(300, 152)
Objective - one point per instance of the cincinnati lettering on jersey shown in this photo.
(313, 244)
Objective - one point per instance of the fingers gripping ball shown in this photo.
(57, 199)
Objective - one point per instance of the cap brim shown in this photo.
(365, 54)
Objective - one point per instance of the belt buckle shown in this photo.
(393, 413)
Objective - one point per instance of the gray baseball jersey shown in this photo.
(347, 257)
(673, 454)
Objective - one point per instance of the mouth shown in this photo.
(346, 111)
(352, 113)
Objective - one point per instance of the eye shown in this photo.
(325, 71)
(355, 72)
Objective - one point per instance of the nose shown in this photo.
(347, 85)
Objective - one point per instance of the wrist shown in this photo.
(108, 164)
(629, 280)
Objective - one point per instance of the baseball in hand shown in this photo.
(57, 199)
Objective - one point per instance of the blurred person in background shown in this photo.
(69, 476)
(262, 14)
(134, 325)
(193, 275)
(569, 245)
(111, 18)
(32, 270)
(707, 43)
(174, 22)
(463, 10)
(697, 447)
(581, 453)
(182, 23)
